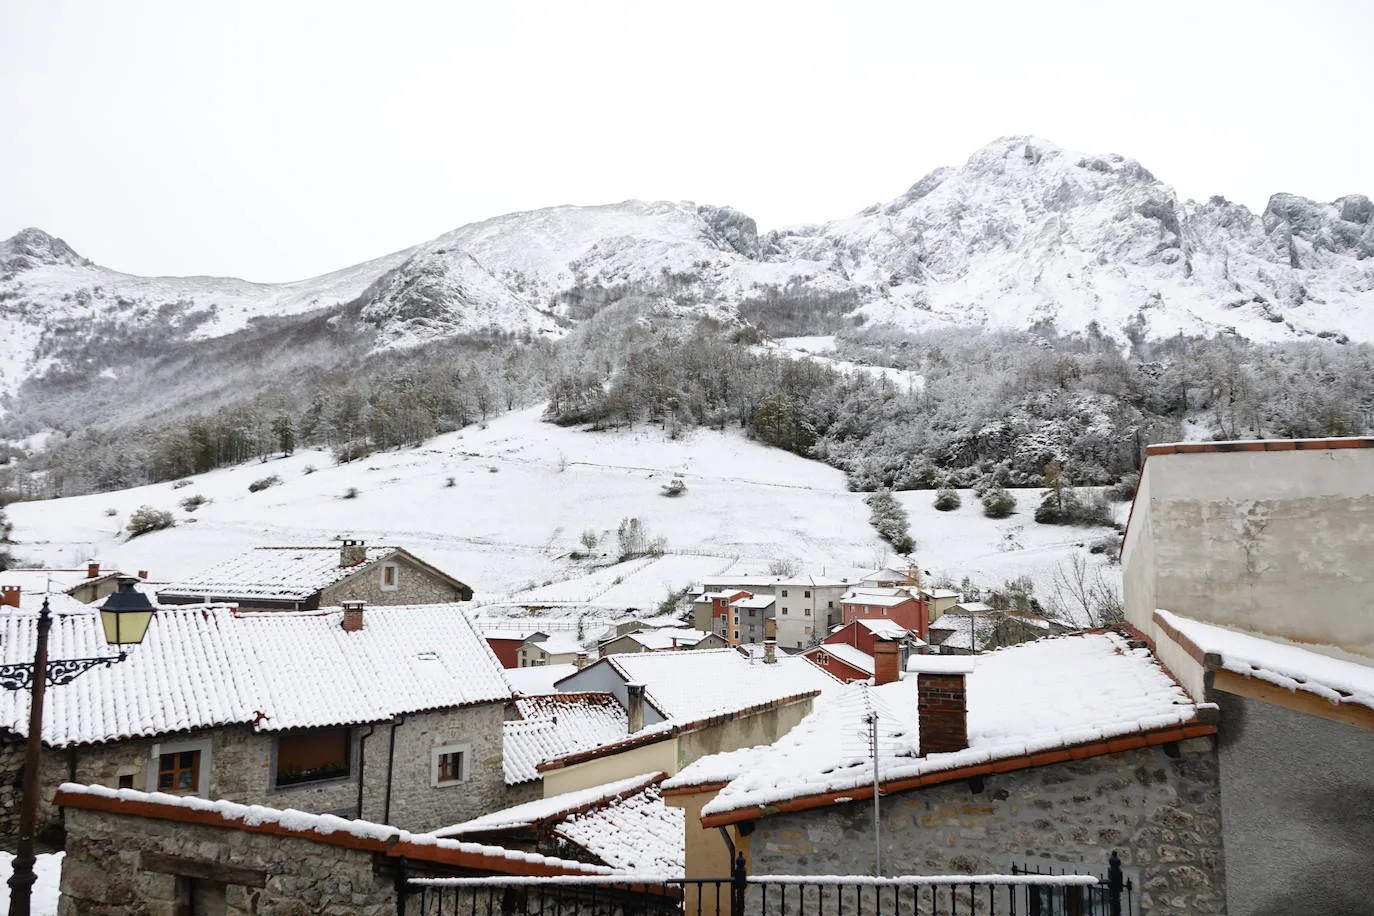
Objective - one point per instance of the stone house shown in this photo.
(392, 714)
(1054, 752)
(1247, 569)
(306, 578)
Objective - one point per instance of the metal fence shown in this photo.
(1024, 892)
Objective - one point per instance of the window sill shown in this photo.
(311, 783)
(452, 783)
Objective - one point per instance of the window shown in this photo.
(178, 772)
(807, 593)
(784, 610)
(830, 604)
(126, 780)
(391, 577)
(448, 765)
(825, 659)
(784, 593)
(807, 611)
(311, 756)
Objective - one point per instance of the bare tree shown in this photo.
(1084, 595)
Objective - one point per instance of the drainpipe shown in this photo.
(390, 767)
(362, 767)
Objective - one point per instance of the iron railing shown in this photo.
(1024, 892)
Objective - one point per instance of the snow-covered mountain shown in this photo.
(1022, 233)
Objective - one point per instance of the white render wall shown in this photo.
(1281, 542)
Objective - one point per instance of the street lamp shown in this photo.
(124, 616)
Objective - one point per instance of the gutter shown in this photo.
(362, 766)
(390, 767)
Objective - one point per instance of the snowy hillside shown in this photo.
(1022, 233)
(522, 494)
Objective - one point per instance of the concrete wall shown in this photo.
(659, 757)
(746, 731)
(108, 870)
(413, 586)
(1162, 814)
(241, 768)
(1271, 541)
(1297, 797)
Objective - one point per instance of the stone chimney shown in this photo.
(352, 616)
(581, 660)
(635, 706)
(942, 701)
(770, 641)
(887, 661)
(92, 569)
(9, 595)
(352, 553)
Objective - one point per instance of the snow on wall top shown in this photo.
(558, 725)
(1283, 664)
(666, 638)
(323, 824)
(544, 810)
(638, 834)
(1021, 700)
(205, 666)
(537, 679)
(707, 682)
(274, 573)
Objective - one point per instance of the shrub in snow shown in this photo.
(1070, 507)
(181, 483)
(674, 487)
(308, 469)
(889, 519)
(451, 482)
(192, 503)
(111, 513)
(636, 541)
(1123, 491)
(147, 519)
(998, 503)
(350, 493)
(947, 500)
(264, 483)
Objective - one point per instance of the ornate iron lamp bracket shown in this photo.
(60, 671)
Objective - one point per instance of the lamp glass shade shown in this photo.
(125, 628)
(125, 615)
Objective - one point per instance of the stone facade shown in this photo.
(1161, 812)
(117, 864)
(413, 585)
(242, 768)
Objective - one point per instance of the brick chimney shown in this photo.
(635, 706)
(352, 616)
(887, 661)
(942, 701)
(9, 595)
(143, 574)
(92, 569)
(352, 553)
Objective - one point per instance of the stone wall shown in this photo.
(117, 864)
(1162, 813)
(241, 769)
(413, 586)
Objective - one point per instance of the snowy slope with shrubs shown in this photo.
(505, 509)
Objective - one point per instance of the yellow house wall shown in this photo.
(659, 757)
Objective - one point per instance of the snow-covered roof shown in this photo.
(559, 644)
(754, 601)
(557, 725)
(274, 573)
(665, 637)
(546, 810)
(941, 592)
(713, 769)
(766, 581)
(966, 631)
(1283, 664)
(973, 607)
(537, 679)
(884, 575)
(637, 833)
(60, 580)
(506, 632)
(204, 666)
(852, 656)
(941, 664)
(693, 685)
(882, 627)
(876, 598)
(1021, 700)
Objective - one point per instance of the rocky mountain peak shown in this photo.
(31, 247)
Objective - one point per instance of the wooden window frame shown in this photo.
(436, 765)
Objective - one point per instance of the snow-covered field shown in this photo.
(502, 508)
(816, 348)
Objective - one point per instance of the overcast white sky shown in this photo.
(276, 141)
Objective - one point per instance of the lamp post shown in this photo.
(124, 616)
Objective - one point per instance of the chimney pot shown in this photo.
(352, 552)
(942, 702)
(635, 708)
(143, 574)
(92, 569)
(9, 595)
(770, 651)
(581, 660)
(352, 616)
(886, 662)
